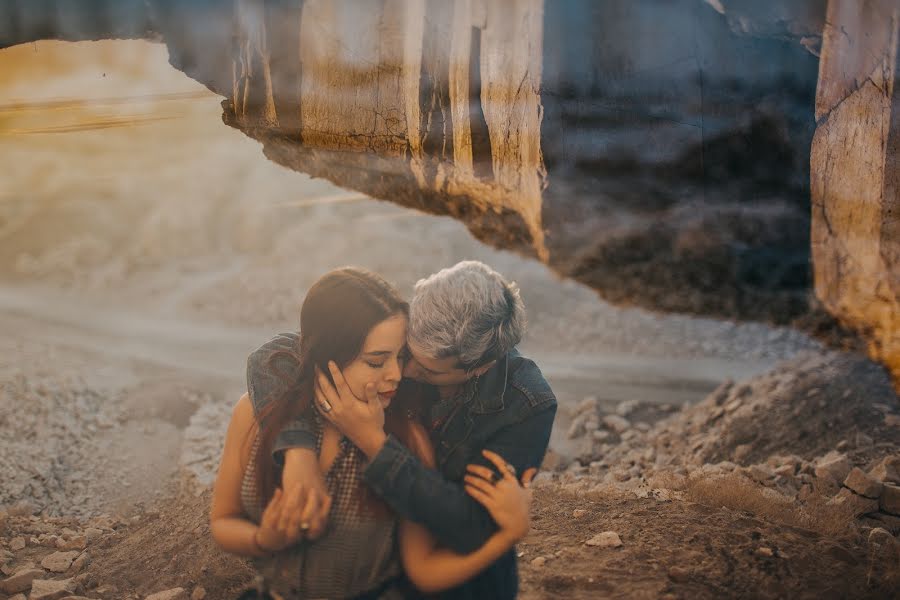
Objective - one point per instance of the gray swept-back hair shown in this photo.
(468, 311)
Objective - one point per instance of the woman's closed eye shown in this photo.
(375, 365)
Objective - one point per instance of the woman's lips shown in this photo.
(389, 394)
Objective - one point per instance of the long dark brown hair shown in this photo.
(339, 311)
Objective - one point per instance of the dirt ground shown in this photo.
(145, 249)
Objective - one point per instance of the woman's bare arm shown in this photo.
(230, 527)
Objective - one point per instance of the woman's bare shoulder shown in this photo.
(242, 416)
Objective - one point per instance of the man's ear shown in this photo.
(483, 369)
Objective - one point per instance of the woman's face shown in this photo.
(379, 362)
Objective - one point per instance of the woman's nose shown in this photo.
(395, 372)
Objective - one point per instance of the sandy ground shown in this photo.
(145, 249)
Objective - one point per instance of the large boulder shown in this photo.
(856, 174)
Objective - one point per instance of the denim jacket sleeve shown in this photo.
(271, 371)
(423, 495)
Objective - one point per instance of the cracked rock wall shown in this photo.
(441, 98)
(856, 174)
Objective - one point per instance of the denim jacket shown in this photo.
(511, 413)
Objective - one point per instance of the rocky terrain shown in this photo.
(787, 484)
(693, 457)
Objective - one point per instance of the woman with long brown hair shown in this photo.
(356, 320)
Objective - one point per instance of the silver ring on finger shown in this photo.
(511, 469)
(325, 406)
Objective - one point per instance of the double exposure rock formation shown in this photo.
(856, 173)
(706, 156)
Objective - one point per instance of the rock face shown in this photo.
(654, 150)
(856, 174)
(441, 113)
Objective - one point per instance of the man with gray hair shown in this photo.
(464, 324)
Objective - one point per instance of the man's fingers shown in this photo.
(310, 508)
(272, 510)
(481, 471)
(291, 507)
(321, 520)
(528, 476)
(372, 394)
(479, 484)
(503, 467)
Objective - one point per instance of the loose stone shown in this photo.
(172, 594)
(607, 539)
(51, 589)
(890, 499)
(20, 581)
(59, 562)
(862, 484)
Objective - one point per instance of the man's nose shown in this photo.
(409, 368)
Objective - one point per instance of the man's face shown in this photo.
(436, 371)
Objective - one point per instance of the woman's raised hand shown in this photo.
(506, 499)
(280, 523)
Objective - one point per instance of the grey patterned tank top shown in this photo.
(356, 554)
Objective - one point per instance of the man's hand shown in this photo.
(301, 467)
(361, 420)
(280, 523)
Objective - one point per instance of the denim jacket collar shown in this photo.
(492, 388)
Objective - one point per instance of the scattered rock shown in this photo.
(890, 499)
(81, 562)
(51, 589)
(17, 543)
(760, 473)
(863, 440)
(22, 508)
(764, 551)
(859, 505)
(607, 539)
(884, 554)
(881, 539)
(888, 470)
(600, 434)
(18, 597)
(553, 461)
(741, 451)
(78, 542)
(92, 533)
(172, 594)
(577, 428)
(626, 407)
(538, 562)
(199, 593)
(20, 581)
(59, 562)
(862, 484)
(679, 574)
(616, 423)
(833, 466)
(578, 513)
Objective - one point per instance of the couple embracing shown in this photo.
(385, 450)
